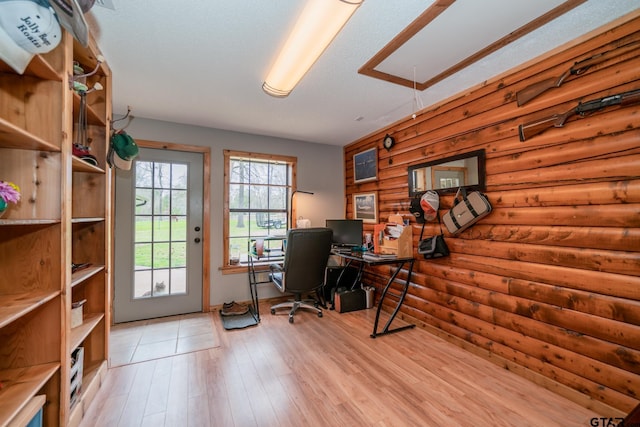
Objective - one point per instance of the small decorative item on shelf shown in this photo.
(77, 313)
(9, 193)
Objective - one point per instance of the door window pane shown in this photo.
(160, 229)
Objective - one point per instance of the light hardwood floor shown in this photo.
(326, 372)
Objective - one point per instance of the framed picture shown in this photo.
(365, 165)
(365, 207)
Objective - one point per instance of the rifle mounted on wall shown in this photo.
(527, 130)
(528, 93)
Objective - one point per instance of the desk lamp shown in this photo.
(291, 205)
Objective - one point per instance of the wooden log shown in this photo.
(617, 216)
(607, 238)
(503, 140)
(615, 285)
(622, 168)
(591, 389)
(592, 193)
(540, 321)
(619, 309)
(549, 280)
(610, 145)
(490, 324)
(588, 259)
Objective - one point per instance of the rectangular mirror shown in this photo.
(446, 175)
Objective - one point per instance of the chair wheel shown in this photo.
(273, 311)
(319, 314)
(290, 319)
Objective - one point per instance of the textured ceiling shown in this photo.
(202, 62)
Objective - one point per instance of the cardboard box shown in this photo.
(76, 316)
(401, 246)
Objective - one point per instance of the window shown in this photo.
(257, 200)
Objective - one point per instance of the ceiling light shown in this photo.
(319, 23)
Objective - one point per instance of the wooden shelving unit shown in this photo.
(64, 217)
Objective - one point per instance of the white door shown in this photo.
(158, 232)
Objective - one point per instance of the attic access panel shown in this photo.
(450, 35)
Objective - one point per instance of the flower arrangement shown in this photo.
(9, 193)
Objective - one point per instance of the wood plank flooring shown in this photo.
(326, 372)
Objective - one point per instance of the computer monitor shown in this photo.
(346, 232)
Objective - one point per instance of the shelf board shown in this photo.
(79, 165)
(82, 275)
(29, 411)
(12, 136)
(86, 56)
(79, 333)
(19, 386)
(86, 220)
(38, 67)
(29, 221)
(13, 307)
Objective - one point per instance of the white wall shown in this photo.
(320, 170)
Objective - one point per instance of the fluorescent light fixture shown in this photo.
(319, 23)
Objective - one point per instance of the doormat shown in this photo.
(239, 321)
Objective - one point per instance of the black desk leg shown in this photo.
(386, 329)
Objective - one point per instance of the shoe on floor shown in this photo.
(228, 304)
(235, 309)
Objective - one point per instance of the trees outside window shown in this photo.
(256, 200)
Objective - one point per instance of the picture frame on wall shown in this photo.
(365, 165)
(365, 207)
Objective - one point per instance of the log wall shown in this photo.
(548, 284)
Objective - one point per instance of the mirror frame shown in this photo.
(480, 186)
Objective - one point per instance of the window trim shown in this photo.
(228, 154)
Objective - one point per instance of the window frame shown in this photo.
(291, 161)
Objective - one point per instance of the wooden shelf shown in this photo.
(38, 239)
(79, 333)
(86, 220)
(29, 411)
(11, 136)
(93, 118)
(79, 165)
(38, 67)
(12, 307)
(19, 386)
(91, 382)
(29, 221)
(82, 275)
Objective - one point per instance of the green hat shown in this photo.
(124, 150)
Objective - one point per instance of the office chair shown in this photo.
(303, 270)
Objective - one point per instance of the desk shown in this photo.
(363, 261)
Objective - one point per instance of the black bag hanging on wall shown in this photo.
(435, 246)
